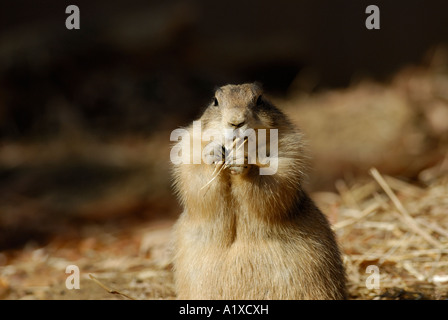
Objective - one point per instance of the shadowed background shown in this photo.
(85, 115)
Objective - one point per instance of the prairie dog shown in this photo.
(247, 235)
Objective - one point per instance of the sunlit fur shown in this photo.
(249, 236)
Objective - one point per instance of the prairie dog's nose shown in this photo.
(235, 118)
(237, 124)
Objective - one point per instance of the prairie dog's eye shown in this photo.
(215, 101)
(259, 100)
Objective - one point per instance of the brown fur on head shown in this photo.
(237, 105)
(240, 107)
(236, 110)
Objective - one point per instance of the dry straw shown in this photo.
(401, 228)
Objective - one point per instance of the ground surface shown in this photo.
(411, 253)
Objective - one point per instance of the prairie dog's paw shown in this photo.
(238, 169)
(237, 158)
(238, 165)
(214, 153)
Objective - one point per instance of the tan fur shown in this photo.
(249, 236)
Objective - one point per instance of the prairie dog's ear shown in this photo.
(257, 91)
(217, 91)
(258, 86)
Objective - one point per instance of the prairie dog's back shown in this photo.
(247, 235)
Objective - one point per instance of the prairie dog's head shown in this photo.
(240, 114)
(240, 107)
(237, 104)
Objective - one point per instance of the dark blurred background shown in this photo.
(85, 114)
